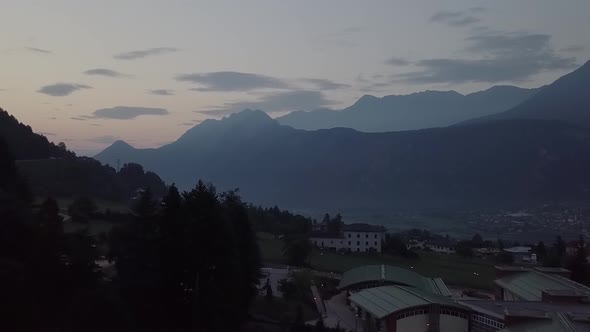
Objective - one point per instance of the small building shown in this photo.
(354, 237)
(368, 276)
(402, 308)
(445, 246)
(522, 254)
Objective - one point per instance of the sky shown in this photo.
(90, 72)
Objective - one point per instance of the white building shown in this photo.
(441, 246)
(354, 237)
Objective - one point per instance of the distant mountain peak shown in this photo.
(121, 144)
(248, 115)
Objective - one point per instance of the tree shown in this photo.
(477, 240)
(579, 263)
(288, 288)
(541, 251)
(464, 249)
(174, 259)
(62, 146)
(559, 247)
(297, 250)
(335, 224)
(268, 289)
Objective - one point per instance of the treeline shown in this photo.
(52, 170)
(278, 222)
(188, 262)
(23, 143)
(84, 176)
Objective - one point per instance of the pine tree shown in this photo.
(268, 288)
(579, 264)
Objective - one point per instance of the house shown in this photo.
(572, 248)
(358, 237)
(445, 246)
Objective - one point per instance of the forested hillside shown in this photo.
(52, 170)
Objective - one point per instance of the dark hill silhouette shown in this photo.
(567, 99)
(491, 164)
(52, 170)
(420, 110)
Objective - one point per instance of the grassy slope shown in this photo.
(453, 269)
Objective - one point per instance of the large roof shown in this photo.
(386, 300)
(393, 275)
(361, 227)
(530, 285)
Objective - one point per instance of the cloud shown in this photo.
(62, 89)
(78, 118)
(342, 38)
(492, 57)
(458, 18)
(276, 102)
(325, 84)
(161, 92)
(105, 72)
(37, 50)
(573, 49)
(138, 54)
(53, 118)
(46, 133)
(106, 139)
(127, 112)
(397, 62)
(232, 81)
(96, 125)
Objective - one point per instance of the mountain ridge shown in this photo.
(523, 161)
(566, 99)
(419, 110)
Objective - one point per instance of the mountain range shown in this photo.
(489, 162)
(420, 110)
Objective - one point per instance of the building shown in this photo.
(505, 316)
(353, 237)
(537, 284)
(403, 308)
(522, 254)
(445, 246)
(368, 276)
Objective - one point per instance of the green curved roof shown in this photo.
(386, 300)
(388, 274)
